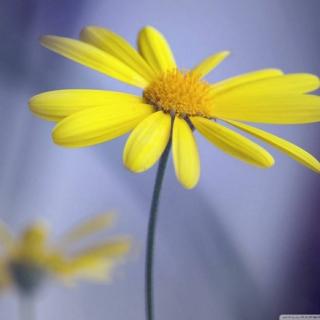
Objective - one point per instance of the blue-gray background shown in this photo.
(244, 244)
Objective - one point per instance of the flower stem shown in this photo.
(151, 232)
(27, 307)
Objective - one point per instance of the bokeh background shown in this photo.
(244, 244)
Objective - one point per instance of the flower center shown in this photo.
(181, 93)
(27, 277)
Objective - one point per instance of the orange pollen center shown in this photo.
(181, 93)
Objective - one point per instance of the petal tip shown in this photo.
(268, 161)
(90, 26)
(34, 106)
(87, 29)
(188, 185)
(57, 137)
(148, 27)
(147, 30)
(316, 167)
(129, 165)
(31, 102)
(45, 39)
(226, 53)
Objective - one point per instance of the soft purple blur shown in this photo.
(244, 244)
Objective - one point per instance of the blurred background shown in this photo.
(244, 244)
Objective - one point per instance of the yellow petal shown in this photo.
(155, 49)
(6, 238)
(244, 79)
(98, 270)
(83, 267)
(118, 47)
(32, 246)
(93, 58)
(87, 228)
(99, 124)
(233, 143)
(277, 109)
(94, 263)
(147, 142)
(284, 146)
(284, 84)
(58, 104)
(185, 154)
(210, 63)
(35, 235)
(109, 249)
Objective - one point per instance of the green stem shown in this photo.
(151, 232)
(27, 307)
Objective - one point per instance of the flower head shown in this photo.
(173, 103)
(28, 259)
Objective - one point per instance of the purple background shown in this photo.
(244, 244)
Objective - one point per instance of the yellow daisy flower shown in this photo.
(173, 103)
(26, 260)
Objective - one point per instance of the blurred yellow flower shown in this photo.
(26, 260)
(173, 103)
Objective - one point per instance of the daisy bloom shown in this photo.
(173, 103)
(26, 260)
